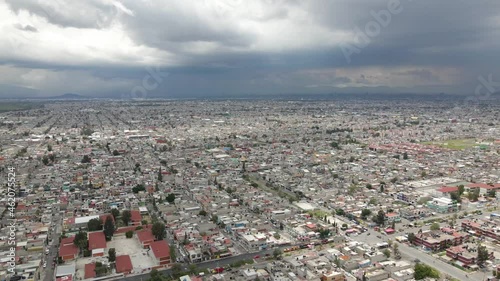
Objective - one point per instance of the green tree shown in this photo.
(170, 198)
(202, 213)
(365, 213)
(340, 212)
(158, 230)
(455, 196)
(138, 188)
(115, 213)
(461, 189)
(111, 255)
(109, 228)
(435, 226)
(482, 255)
(277, 253)
(160, 176)
(81, 240)
(379, 218)
(422, 271)
(411, 237)
(126, 216)
(387, 253)
(45, 160)
(94, 225)
(129, 234)
(86, 159)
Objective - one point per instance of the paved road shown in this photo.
(209, 264)
(413, 253)
(48, 273)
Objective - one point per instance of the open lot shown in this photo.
(457, 144)
(139, 256)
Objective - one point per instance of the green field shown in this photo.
(454, 144)
(16, 106)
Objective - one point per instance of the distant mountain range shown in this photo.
(68, 96)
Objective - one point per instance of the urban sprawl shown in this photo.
(250, 190)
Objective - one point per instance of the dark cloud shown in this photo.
(244, 47)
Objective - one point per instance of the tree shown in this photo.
(49, 148)
(126, 216)
(144, 222)
(422, 271)
(111, 255)
(379, 218)
(435, 226)
(45, 160)
(81, 240)
(116, 153)
(202, 213)
(170, 198)
(340, 212)
(474, 195)
(372, 201)
(277, 236)
(324, 233)
(115, 213)
(411, 237)
(129, 234)
(491, 193)
(158, 230)
(160, 176)
(277, 253)
(405, 156)
(156, 276)
(365, 213)
(109, 228)
(395, 249)
(193, 269)
(482, 255)
(455, 196)
(94, 225)
(461, 189)
(86, 159)
(387, 253)
(138, 188)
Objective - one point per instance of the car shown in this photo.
(256, 257)
(47, 251)
(368, 234)
(267, 255)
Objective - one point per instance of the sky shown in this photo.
(202, 48)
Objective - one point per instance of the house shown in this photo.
(160, 252)
(124, 264)
(145, 237)
(135, 217)
(89, 271)
(68, 252)
(393, 217)
(97, 243)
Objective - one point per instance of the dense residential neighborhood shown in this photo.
(251, 190)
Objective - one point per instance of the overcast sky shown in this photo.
(243, 47)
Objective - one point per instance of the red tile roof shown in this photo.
(145, 235)
(448, 189)
(97, 240)
(160, 249)
(125, 229)
(105, 216)
(67, 241)
(135, 215)
(89, 270)
(65, 278)
(69, 250)
(123, 264)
